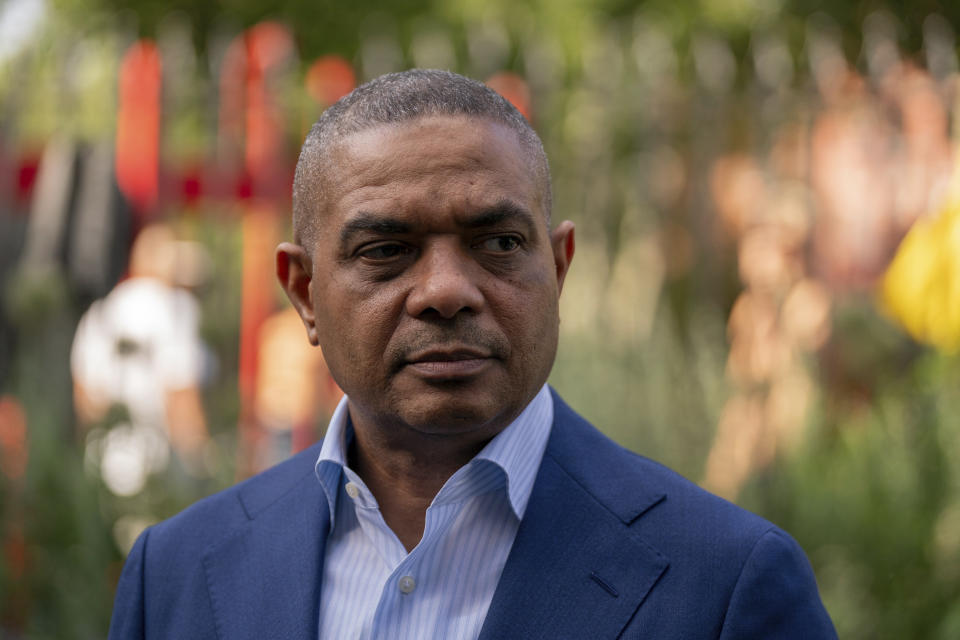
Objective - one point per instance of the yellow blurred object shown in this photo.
(921, 288)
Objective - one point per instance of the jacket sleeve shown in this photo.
(776, 595)
(127, 622)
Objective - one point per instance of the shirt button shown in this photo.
(353, 490)
(407, 584)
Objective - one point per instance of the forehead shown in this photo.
(448, 163)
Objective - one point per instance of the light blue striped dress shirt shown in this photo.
(372, 588)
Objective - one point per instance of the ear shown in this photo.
(295, 271)
(562, 241)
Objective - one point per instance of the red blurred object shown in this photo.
(13, 438)
(251, 116)
(138, 126)
(191, 184)
(330, 78)
(27, 176)
(256, 304)
(268, 45)
(244, 187)
(251, 121)
(513, 88)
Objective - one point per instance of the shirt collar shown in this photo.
(517, 450)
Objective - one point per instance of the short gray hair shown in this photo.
(395, 98)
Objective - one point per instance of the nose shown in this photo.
(445, 282)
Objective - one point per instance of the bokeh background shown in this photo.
(765, 295)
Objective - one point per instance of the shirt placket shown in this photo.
(407, 585)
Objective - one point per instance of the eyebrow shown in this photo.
(372, 222)
(502, 211)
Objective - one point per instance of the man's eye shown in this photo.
(384, 251)
(501, 244)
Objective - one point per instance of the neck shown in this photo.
(406, 470)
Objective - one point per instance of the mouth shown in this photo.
(449, 364)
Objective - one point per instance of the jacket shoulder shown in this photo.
(217, 516)
(631, 485)
(164, 590)
(730, 572)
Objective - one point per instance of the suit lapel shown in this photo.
(264, 580)
(576, 570)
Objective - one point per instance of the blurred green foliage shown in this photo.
(874, 497)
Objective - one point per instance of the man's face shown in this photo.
(434, 280)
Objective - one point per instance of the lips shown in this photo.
(449, 363)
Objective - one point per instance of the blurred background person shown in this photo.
(139, 348)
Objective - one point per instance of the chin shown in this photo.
(456, 419)
(454, 412)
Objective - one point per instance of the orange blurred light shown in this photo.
(513, 88)
(330, 78)
(766, 261)
(268, 44)
(13, 438)
(739, 190)
(742, 444)
(806, 314)
(138, 125)
(260, 235)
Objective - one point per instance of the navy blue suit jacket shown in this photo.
(612, 545)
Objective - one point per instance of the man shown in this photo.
(454, 495)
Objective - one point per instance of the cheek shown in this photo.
(544, 311)
(355, 323)
(529, 319)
